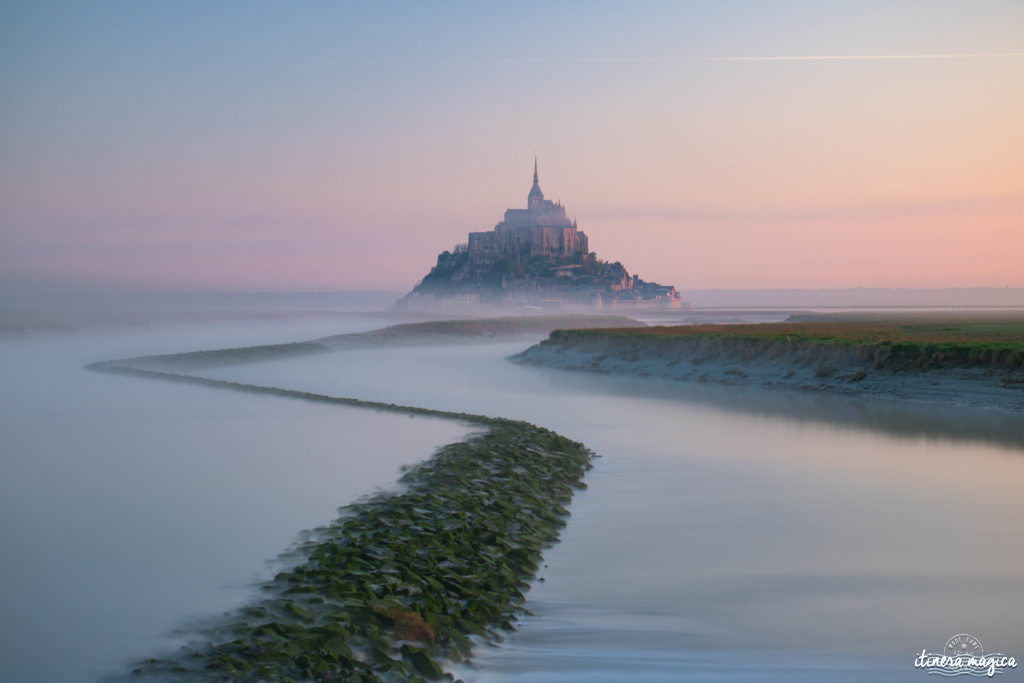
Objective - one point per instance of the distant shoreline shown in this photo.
(876, 370)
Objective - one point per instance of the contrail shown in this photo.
(811, 58)
(784, 58)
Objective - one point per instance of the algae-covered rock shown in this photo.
(399, 582)
(422, 661)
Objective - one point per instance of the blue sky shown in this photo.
(240, 145)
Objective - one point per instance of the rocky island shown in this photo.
(535, 257)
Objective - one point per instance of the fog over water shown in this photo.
(736, 535)
(725, 536)
(129, 508)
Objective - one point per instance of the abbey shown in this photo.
(542, 228)
(535, 257)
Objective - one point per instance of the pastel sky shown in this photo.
(242, 146)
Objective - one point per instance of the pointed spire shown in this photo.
(536, 198)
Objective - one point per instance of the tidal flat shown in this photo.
(724, 536)
(402, 582)
(966, 361)
(733, 533)
(130, 509)
(442, 560)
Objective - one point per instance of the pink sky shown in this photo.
(232, 160)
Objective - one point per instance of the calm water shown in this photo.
(726, 536)
(129, 508)
(736, 535)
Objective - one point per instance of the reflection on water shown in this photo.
(899, 418)
(128, 507)
(726, 535)
(736, 535)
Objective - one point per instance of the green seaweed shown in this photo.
(402, 582)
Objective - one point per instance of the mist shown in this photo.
(718, 522)
(129, 509)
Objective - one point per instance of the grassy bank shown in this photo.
(919, 343)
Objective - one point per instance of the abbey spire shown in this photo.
(536, 198)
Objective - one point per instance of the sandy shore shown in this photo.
(801, 367)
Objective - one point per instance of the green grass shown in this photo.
(994, 331)
(920, 343)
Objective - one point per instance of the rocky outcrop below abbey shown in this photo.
(535, 256)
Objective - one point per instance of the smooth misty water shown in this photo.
(129, 507)
(726, 536)
(731, 535)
